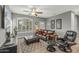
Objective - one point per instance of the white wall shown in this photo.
(73, 22)
(68, 22)
(77, 24)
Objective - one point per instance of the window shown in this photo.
(24, 25)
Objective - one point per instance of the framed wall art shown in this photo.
(58, 23)
(52, 24)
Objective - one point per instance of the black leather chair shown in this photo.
(65, 43)
(50, 48)
(31, 40)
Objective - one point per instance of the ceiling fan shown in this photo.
(34, 11)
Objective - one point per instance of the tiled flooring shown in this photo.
(40, 47)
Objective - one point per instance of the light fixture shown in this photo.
(34, 11)
(34, 14)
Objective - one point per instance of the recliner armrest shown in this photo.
(60, 39)
(71, 43)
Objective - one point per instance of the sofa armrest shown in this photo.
(11, 48)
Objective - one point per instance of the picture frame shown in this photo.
(58, 23)
(52, 24)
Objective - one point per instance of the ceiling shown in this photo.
(48, 10)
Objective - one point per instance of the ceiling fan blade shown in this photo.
(39, 12)
(27, 11)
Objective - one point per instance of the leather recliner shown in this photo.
(65, 43)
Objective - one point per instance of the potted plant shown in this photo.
(14, 32)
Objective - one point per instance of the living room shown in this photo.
(32, 28)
